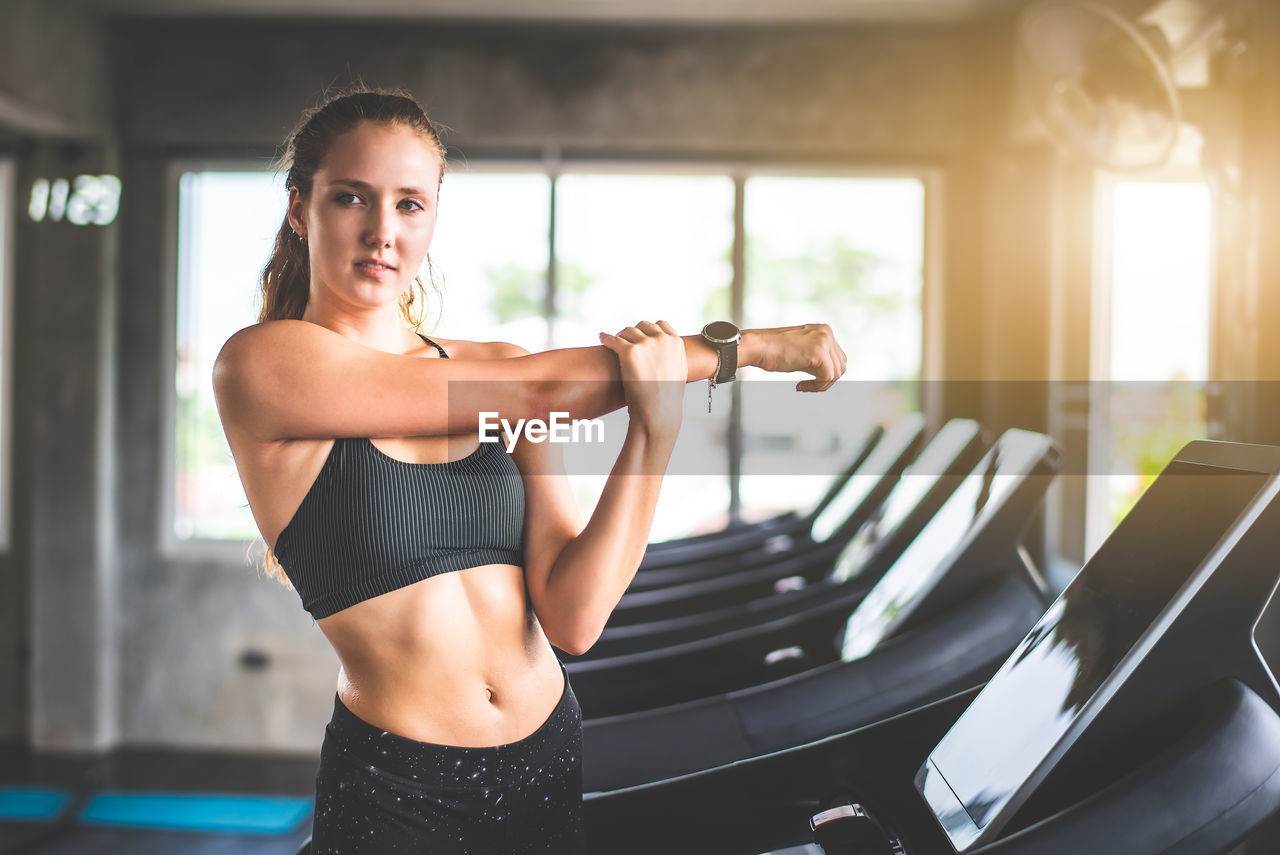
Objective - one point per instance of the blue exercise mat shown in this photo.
(198, 812)
(34, 805)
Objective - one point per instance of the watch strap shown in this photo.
(728, 367)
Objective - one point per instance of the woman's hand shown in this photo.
(811, 348)
(652, 359)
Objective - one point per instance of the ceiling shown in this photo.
(611, 11)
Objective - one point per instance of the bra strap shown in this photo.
(443, 355)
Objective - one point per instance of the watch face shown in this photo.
(721, 331)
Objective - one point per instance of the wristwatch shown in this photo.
(723, 338)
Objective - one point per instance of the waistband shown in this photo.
(349, 734)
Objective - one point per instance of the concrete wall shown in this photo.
(53, 70)
(879, 91)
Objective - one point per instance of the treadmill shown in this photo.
(858, 565)
(850, 506)
(748, 536)
(965, 546)
(954, 451)
(1139, 714)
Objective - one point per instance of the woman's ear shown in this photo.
(297, 213)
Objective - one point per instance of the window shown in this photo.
(490, 251)
(632, 247)
(226, 227)
(1151, 336)
(848, 251)
(542, 260)
(489, 255)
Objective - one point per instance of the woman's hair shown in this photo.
(286, 277)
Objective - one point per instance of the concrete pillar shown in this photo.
(65, 300)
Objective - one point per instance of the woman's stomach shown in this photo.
(455, 659)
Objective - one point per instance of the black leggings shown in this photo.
(379, 793)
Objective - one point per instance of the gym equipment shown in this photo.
(950, 653)
(964, 546)
(747, 536)
(858, 565)
(852, 505)
(952, 453)
(1138, 715)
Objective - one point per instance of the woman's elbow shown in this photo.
(574, 637)
(576, 646)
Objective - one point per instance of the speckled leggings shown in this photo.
(377, 792)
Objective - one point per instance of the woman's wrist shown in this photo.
(749, 348)
(653, 437)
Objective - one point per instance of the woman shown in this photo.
(442, 570)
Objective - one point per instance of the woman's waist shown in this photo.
(555, 735)
(485, 697)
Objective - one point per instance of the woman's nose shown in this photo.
(378, 230)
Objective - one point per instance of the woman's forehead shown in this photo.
(381, 154)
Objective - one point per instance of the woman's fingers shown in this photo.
(828, 361)
(645, 329)
(631, 334)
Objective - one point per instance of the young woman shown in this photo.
(442, 570)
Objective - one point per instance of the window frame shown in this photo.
(554, 165)
(169, 544)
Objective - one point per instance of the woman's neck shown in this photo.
(381, 328)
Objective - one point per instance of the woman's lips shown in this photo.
(375, 269)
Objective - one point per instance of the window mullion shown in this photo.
(736, 302)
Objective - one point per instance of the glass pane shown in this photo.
(1159, 338)
(650, 247)
(848, 252)
(227, 224)
(490, 253)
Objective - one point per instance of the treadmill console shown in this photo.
(937, 459)
(924, 563)
(879, 464)
(1068, 667)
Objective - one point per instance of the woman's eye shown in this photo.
(412, 205)
(347, 198)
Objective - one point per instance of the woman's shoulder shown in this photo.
(271, 334)
(252, 345)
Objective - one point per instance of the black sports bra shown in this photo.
(370, 524)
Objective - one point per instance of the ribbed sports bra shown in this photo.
(371, 524)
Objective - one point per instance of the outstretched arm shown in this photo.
(296, 380)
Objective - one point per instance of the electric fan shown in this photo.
(1099, 84)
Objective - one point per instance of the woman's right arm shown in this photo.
(297, 380)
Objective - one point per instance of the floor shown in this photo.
(156, 771)
(68, 839)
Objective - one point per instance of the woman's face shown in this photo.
(370, 216)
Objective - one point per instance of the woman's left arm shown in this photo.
(576, 574)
